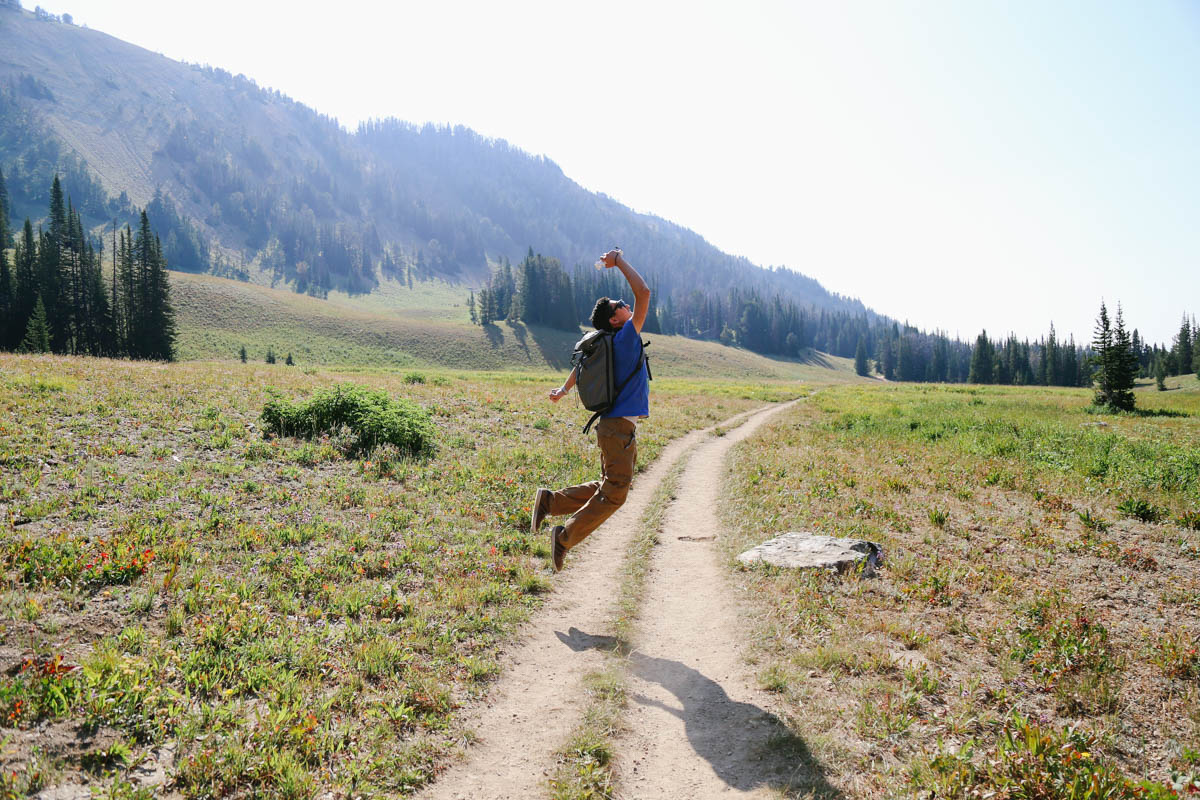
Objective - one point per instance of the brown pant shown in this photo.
(592, 503)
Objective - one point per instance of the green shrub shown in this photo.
(1029, 762)
(1139, 508)
(372, 417)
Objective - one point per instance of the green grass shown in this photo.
(1035, 562)
(427, 327)
(295, 619)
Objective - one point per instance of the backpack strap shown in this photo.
(588, 427)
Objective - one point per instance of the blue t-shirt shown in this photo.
(634, 399)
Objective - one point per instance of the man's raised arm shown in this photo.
(641, 292)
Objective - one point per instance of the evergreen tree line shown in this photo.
(1047, 362)
(54, 297)
(1182, 357)
(538, 291)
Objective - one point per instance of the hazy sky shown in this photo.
(957, 164)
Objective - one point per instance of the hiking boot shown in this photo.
(541, 507)
(557, 550)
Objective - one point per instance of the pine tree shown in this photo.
(114, 305)
(37, 332)
(1116, 365)
(1160, 375)
(100, 319)
(1071, 365)
(982, 360)
(7, 305)
(140, 332)
(887, 358)
(270, 355)
(1126, 364)
(25, 271)
(242, 354)
(161, 312)
(5, 219)
(126, 307)
(907, 361)
(485, 307)
(860, 357)
(1184, 346)
(288, 361)
(50, 246)
(471, 308)
(1102, 342)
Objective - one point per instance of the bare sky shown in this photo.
(960, 164)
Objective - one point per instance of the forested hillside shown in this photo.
(242, 177)
(244, 182)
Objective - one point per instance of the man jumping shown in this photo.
(616, 433)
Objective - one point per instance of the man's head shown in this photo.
(610, 315)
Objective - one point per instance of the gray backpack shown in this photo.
(597, 385)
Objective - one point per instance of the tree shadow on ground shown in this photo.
(1158, 412)
(746, 746)
(494, 334)
(554, 346)
(815, 358)
(520, 334)
(1136, 412)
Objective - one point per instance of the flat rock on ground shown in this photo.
(798, 550)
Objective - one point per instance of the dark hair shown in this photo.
(601, 314)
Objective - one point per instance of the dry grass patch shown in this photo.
(1037, 585)
(266, 615)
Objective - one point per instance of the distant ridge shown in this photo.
(242, 179)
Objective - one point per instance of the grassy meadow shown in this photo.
(425, 327)
(263, 616)
(1035, 623)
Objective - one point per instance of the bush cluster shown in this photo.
(372, 417)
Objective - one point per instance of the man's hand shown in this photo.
(561, 392)
(641, 292)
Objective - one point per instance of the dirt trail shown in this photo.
(538, 702)
(697, 724)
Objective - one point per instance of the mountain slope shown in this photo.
(218, 316)
(274, 185)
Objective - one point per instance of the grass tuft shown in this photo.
(1138, 508)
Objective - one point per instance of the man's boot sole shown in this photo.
(556, 564)
(535, 522)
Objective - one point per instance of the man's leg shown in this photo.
(570, 499)
(618, 455)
